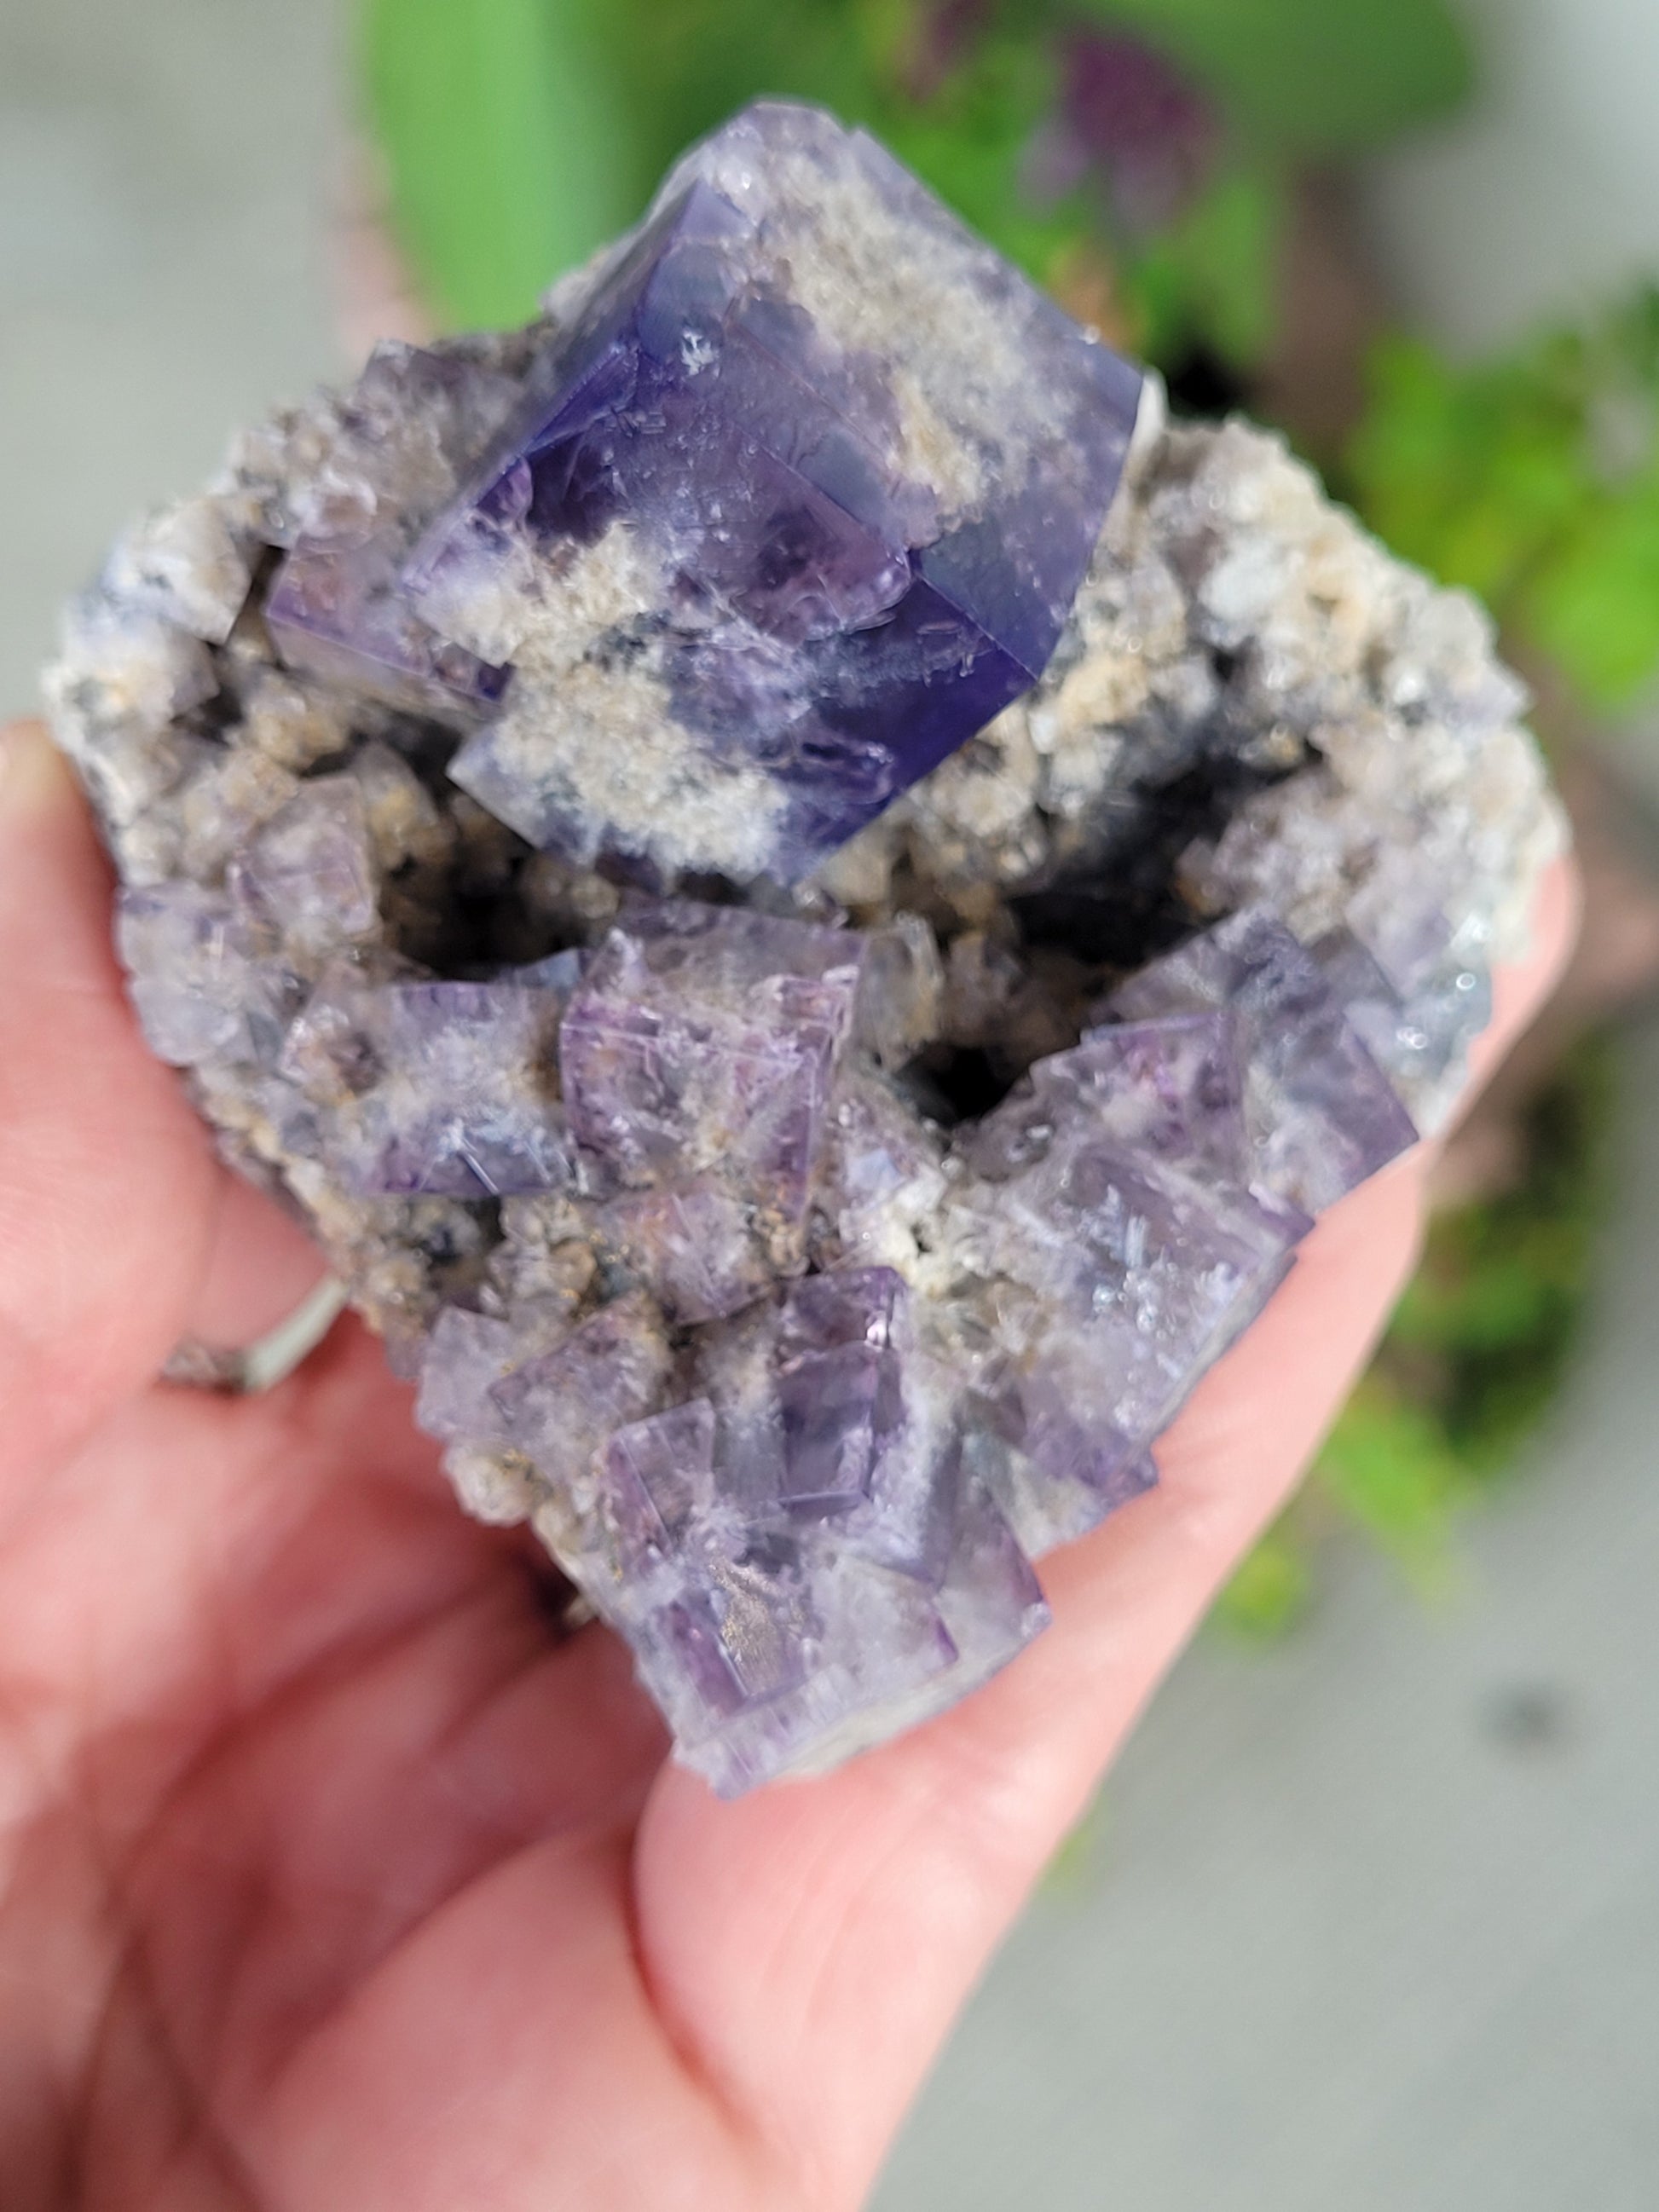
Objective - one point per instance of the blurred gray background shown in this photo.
(1369, 1921)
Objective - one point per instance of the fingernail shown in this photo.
(34, 773)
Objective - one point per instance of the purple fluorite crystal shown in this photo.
(337, 607)
(805, 487)
(468, 1355)
(474, 1116)
(562, 1408)
(309, 871)
(813, 1513)
(1323, 1116)
(1110, 1203)
(202, 990)
(797, 1553)
(696, 1058)
(437, 1090)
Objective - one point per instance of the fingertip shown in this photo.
(54, 879)
(1521, 987)
(106, 1178)
(34, 777)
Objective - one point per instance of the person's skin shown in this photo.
(333, 1880)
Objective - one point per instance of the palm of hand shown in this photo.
(334, 1877)
(325, 1802)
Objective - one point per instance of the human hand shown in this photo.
(335, 1879)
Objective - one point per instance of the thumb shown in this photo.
(108, 1185)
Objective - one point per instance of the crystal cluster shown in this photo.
(811, 924)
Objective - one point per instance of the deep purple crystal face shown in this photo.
(812, 481)
(835, 1427)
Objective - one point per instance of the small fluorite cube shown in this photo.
(658, 1473)
(202, 991)
(1322, 1115)
(468, 1110)
(338, 608)
(1416, 1037)
(697, 1057)
(1108, 1202)
(698, 1247)
(437, 1089)
(838, 1424)
(310, 869)
(561, 1407)
(466, 1356)
(840, 1409)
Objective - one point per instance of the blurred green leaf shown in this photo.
(1511, 1278)
(1595, 607)
(510, 154)
(1534, 480)
(1309, 77)
(684, 65)
(521, 133)
(1388, 1464)
(687, 64)
(1268, 1591)
(1470, 475)
(1210, 279)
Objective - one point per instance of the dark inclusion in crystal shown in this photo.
(805, 488)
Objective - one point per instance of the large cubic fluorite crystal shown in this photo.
(810, 478)
(811, 901)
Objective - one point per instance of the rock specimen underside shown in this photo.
(809, 900)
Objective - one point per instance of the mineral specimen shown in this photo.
(810, 925)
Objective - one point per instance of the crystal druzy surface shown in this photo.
(804, 1210)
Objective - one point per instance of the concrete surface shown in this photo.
(1368, 1924)
(1547, 195)
(165, 166)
